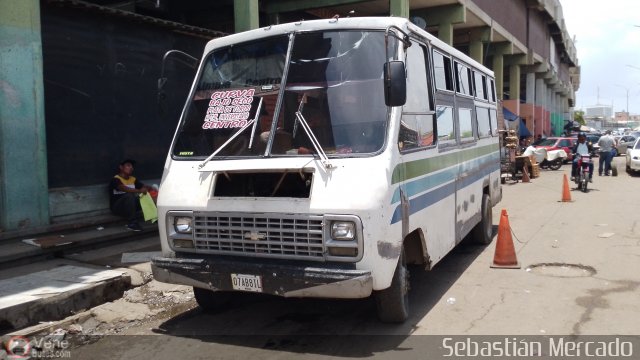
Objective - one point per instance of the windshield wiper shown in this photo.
(253, 122)
(311, 135)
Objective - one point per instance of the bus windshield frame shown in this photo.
(333, 78)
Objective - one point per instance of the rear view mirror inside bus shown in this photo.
(395, 84)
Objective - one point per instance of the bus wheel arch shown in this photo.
(415, 248)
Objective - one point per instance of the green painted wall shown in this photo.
(557, 124)
(24, 199)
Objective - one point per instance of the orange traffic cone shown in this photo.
(566, 195)
(525, 175)
(505, 256)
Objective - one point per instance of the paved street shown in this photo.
(579, 276)
(404, 106)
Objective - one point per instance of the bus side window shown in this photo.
(463, 79)
(484, 122)
(446, 129)
(492, 91)
(416, 127)
(442, 71)
(480, 85)
(465, 124)
(494, 121)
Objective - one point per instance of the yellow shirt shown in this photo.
(130, 183)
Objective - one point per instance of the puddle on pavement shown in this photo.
(562, 270)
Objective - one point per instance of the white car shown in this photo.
(633, 156)
(624, 142)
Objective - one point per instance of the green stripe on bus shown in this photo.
(413, 169)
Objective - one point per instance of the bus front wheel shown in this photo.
(392, 303)
(211, 301)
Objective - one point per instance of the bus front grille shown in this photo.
(283, 236)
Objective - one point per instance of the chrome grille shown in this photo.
(262, 235)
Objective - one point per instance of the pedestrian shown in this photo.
(538, 140)
(124, 192)
(606, 143)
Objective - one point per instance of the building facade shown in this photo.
(79, 80)
(599, 111)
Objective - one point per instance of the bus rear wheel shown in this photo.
(482, 233)
(212, 301)
(392, 303)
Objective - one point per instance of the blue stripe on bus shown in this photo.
(425, 200)
(432, 181)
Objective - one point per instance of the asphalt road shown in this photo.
(579, 275)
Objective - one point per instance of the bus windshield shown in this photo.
(334, 82)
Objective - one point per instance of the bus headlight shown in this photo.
(343, 230)
(182, 224)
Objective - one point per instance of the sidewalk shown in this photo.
(45, 276)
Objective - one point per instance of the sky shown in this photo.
(607, 40)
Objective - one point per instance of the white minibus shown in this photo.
(319, 158)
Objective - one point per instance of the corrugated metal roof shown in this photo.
(178, 27)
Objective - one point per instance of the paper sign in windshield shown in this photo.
(230, 109)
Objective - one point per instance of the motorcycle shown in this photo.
(554, 159)
(582, 178)
(547, 159)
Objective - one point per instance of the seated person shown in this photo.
(124, 190)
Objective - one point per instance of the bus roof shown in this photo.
(372, 23)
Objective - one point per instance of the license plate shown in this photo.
(244, 282)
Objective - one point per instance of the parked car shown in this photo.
(593, 139)
(625, 141)
(633, 156)
(557, 143)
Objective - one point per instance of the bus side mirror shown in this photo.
(395, 83)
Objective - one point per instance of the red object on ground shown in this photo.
(505, 255)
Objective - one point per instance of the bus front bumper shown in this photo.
(276, 279)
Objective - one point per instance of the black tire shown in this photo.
(482, 233)
(583, 185)
(392, 303)
(212, 301)
(555, 164)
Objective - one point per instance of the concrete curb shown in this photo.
(136, 276)
(79, 241)
(60, 306)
